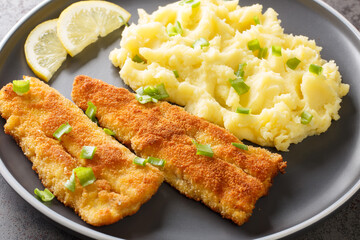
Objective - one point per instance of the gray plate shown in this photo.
(323, 171)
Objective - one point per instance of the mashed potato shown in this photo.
(277, 95)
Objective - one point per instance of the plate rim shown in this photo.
(88, 232)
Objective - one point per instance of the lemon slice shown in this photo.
(43, 50)
(82, 23)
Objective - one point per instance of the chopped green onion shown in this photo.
(293, 63)
(138, 59)
(193, 3)
(178, 27)
(152, 160)
(315, 69)
(156, 161)
(45, 195)
(262, 53)
(240, 72)
(276, 51)
(109, 132)
(240, 146)
(149, 90)
(145, 99)
(151, 94)
(85, 175)
(70, 184)
(201, 42)
(64, 128)
(175, 29)
(122, 20)
(306, 117)
(176, 73)
(159, 92)
(91, 111)
(140, 161)
(21, 87)
(256, 20)
(140, 91)
(254, 45)
(87, 152)
(243, 110)
(239, 85)
(202, 149)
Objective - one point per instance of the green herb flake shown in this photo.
(45, 196)
(64, 128)
(240, 72)
(175, 29)
(276, 51)
(254, 45)
(239, 85)
(240, 146)
(109, 132)
(204, 150)
(256, 20)
(21, 87)
(156, 161)
(176, 73)
(242, 110)
(306, 117)
(140, 161)
(138, 59)
(88, 152)
(201, 42)
(292, 63)
(315, 69)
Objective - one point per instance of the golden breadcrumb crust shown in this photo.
(121, 186)
(230, 183)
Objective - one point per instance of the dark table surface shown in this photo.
(18, 220)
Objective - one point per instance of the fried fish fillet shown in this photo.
(121, 187)
(229, 183)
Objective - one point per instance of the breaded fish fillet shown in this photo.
(121, 187)
(229, 183)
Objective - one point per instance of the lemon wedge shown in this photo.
(83, 22)
(43, 50)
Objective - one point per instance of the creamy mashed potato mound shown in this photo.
(277, 96)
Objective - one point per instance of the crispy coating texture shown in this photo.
(121, 187)
(229, 183)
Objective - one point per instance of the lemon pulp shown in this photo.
(82, 23)
(43, 50)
